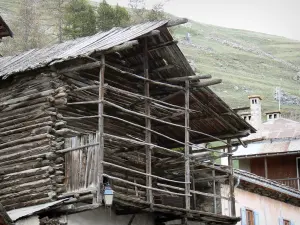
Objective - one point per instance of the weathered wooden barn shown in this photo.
(122, 107)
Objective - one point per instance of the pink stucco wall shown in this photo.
(269, 210)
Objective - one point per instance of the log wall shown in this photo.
(31, 172)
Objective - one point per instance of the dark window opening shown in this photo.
(270, 116)
(275, 116)
(286, 222)
(249, 117)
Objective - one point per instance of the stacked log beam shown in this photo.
(31, 172)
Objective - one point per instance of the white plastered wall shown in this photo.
(269, 210)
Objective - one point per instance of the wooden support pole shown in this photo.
(147, 123)
(231, 179)
(214, 188)
(266, 167)
(100, 153)
(186, 146)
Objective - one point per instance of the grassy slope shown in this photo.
(246, 66)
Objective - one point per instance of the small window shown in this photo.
(249, 217)
(286, 222)
(270, 116)
(249, 118)
(245, 117)
(255, 101)
(275, 116)
(252, 101)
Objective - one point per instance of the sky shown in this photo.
(278, 17)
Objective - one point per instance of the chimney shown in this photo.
(273, 115)
(255, 106)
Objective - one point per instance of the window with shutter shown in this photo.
(286, 222)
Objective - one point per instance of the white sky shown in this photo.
(279, 17)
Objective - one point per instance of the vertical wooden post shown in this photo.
(100, 154)
(214, 188)
(194, 195)
(186, 146)
(148, 125)
(231, 179)
(266, 167)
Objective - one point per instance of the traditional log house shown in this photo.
(122, 108)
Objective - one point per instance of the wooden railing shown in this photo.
(291, 182)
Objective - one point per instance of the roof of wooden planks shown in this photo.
(213, 116)
(4, 29)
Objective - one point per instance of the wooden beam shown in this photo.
(143, 78)
(177, 22)
(145, 174)
(162, 45)
(142, 186)
(122, 47)
(231, 180)
(213, 178)
(100, 152)
(187, 146)
(151, 33)
(266, 167)
(147, 123)
(167, 67)
(214, 188)
(86, 66)
(190, 78)
(206, 83)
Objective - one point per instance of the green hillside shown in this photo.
(248, 62)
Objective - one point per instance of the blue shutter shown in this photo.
(243, 216)
(256, 218)
(280, 221)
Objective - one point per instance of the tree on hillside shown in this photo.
(28, 30)
(105, 16)
(80, 19)
(122, 17)
(109, 17)
(141, 14)
(54, 13)
(156, 13)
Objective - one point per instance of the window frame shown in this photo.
(252, 221)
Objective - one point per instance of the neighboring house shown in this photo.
(105, 116)
(275, 151)
(268, 176)
(260, 201)
(4, 29)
